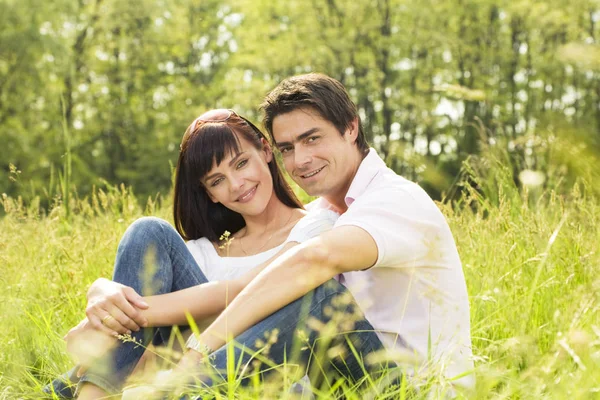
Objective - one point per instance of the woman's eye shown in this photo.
(216, 182)
(242, 163)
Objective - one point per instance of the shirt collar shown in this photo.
(368, 168)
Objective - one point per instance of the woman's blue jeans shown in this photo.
(153, 259)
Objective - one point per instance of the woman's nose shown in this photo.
(236, 183)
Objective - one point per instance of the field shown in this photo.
(530, 258)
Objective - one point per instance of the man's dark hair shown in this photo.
(320, 92)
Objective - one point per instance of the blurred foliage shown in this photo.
(436, 82)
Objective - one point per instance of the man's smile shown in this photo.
(312, 173)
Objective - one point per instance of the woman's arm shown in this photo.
(202, 301)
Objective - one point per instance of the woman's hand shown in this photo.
(85, 344)
(115, 308)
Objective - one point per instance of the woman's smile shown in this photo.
(248, 195)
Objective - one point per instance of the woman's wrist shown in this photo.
(152, 313)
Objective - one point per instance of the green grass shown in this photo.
(531, 261)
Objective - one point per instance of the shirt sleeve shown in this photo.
(312, 224)
(198, 250)
(404, 225)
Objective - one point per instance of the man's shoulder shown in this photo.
(389, 185)
(392, 199)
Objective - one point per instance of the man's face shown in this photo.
(315, 154)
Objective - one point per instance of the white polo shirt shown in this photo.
(416, 289)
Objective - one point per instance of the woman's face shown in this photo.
(242, 182)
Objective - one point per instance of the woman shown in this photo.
(237, 212)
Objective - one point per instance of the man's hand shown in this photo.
(114, 308)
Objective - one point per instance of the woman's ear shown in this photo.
(211, 197)
(209, 194)
(267, 150)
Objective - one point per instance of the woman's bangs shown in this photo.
(211, 145)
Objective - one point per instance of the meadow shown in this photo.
(530, 257)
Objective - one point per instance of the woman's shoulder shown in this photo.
(313, 223)
(199, 246)
(199, 242)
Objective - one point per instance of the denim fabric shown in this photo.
(152, 259)
(303, 333)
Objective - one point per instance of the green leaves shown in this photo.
(427, 76)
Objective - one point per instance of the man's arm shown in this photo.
(289, 277)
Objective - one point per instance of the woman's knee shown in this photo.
(141, 235)
(148, 225)
(148, 230)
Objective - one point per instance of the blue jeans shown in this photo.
(171, 267)
(302, 334)
(174, 268)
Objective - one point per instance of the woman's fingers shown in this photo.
(134, 317)
(110, 322)
(116, 313)
(97, 324)
(105, 294)
(134, 298)
(100, 320)
(123, 320)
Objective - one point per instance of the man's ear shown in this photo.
(352, 130)
(267, 150)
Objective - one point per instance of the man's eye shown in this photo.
(242, 163)
(312, 139)
(284, 150)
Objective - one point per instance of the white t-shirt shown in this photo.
(416, 289)
(217, 268)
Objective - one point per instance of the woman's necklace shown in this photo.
(268, 240)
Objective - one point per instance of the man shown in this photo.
(391, 246)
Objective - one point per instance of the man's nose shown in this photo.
(301, 157)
